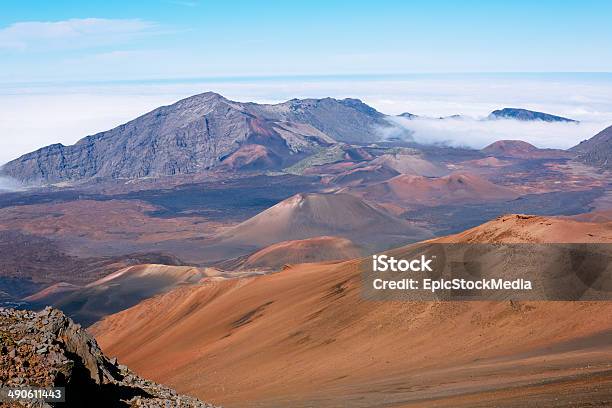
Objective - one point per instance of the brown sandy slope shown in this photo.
(117, 291)
(311, 215)
(455, 188)
(251, 157)
(304, 337)
(308, 250)
(595, 216)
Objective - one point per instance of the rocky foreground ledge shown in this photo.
(47, 349)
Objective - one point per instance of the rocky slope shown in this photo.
(199, 133)
(596, 151)
(47, 349)
(527, 115)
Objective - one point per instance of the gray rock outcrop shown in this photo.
(46, 349)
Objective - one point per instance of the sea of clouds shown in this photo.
(478, 133)
(36, 115)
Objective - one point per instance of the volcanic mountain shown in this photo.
(596, 151)
(316, 249)
(527, 115)
(408, 190)
(523, 150)
(199, 133)
(312, 215)
(307, 337)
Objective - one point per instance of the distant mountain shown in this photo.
(203, 132)
(596, 151)
(526, 115)
(523, 150)
(408, 115)
(457, 188)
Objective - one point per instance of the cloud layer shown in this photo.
(9, 184)
(474, 133)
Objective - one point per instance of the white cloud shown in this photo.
(73, 33)
(30, 121)
(9, 184)
(474, 133)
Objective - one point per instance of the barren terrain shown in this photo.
(305, 337)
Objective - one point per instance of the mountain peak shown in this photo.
(527, 115)
(205, 98)
(509, 145)
(521, 149)
(307, 215)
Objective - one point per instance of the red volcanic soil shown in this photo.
(121, 227)
(115, 220)
(523, 150)
(456, 188)
(315, 249)
(518, 228)
(596, 216)
(251, 157)
(306, 337)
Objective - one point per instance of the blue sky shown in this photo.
(119, 40)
